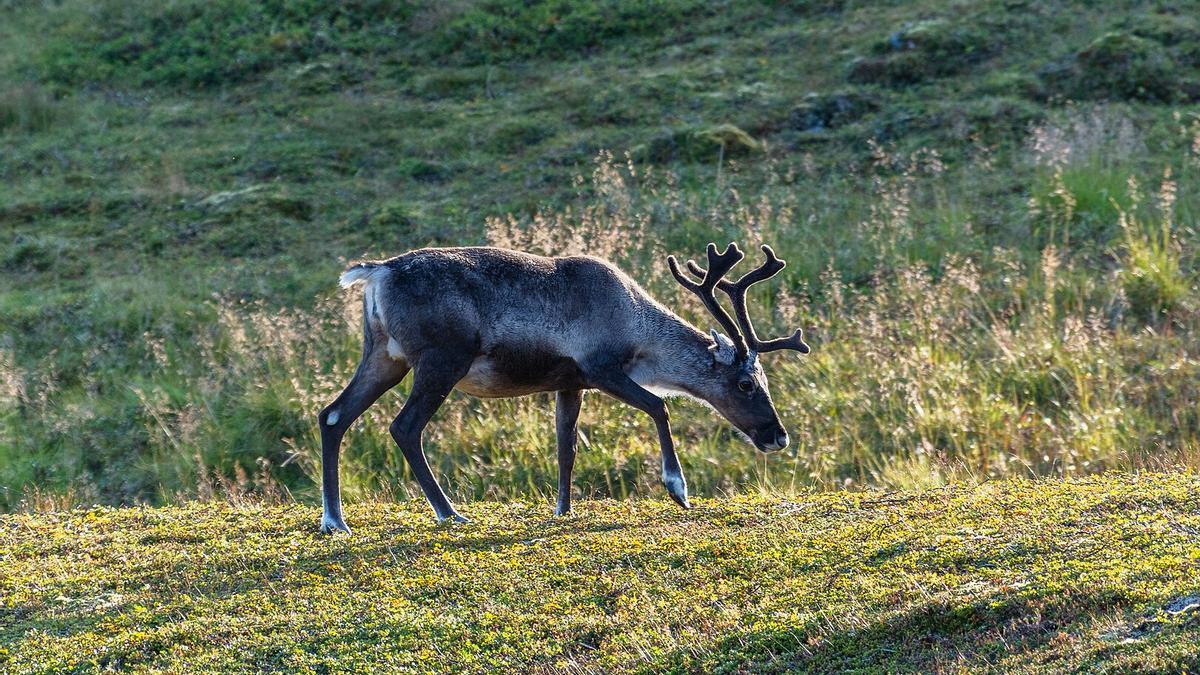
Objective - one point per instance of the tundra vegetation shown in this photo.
(989, 210)
(990, 235)
(1091, 574)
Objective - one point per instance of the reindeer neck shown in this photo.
(675, 355)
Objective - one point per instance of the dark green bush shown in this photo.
(514, 136)
(698, 144)
(1166, 29)
(198, 43)
(1012, 83)
(420, 169)
(1128, 67)
(817, 112)
(29, 254)
(925, 50)
(454, 83)
(28, 109)
(495, 30)
(1118, 66)
(393, 215)
(997, 118)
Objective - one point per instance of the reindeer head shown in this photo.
(737, 385)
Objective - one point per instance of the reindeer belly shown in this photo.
(505, 371)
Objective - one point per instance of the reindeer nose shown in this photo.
(778, 440)
(781, 439)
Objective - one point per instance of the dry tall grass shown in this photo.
(960, 365)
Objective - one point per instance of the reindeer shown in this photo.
(498, 323)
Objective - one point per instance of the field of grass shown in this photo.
(990, 233)
(1095, 574)
(990, 210)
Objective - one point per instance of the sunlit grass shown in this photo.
(936, 371)
(1016, 576)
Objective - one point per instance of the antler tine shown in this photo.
(723, 284)
(719, 265)
(737, 294)
(697, 270)
(794, 341)
(681, 277)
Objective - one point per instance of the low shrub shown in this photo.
(494, 30)
(699, 144)
(518, 135)
(1118, 66)
(1151, 274)
(194, 43)
(819, 112)
(28, 109)
(924, 50)
(1179, 32)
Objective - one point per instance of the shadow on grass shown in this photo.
(933, 637)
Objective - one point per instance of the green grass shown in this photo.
(990, 215)
(181, 183)
(1095, 574)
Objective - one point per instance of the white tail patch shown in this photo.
(367, 275)
(375, 308)
(370, 276)
(355, 275)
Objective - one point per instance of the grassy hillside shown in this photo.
(1012, 576)
(988, 207)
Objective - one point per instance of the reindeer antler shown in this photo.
(719, 265)
(737, 294)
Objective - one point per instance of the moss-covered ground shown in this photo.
(1015, 576)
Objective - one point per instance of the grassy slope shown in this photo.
(1008, 576)
(377, 126)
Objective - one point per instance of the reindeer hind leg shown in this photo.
(434, 376)
(376, 374)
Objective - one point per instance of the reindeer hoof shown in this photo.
(562, 511)
(681, 500)
(677, 488)
(452, 519)
(331, 526)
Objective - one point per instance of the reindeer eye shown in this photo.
(746, 385)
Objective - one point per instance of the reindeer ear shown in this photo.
(722, 348)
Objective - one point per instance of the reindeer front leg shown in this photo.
(614, 382)
(566, 427)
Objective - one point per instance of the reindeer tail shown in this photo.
(360, 273)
